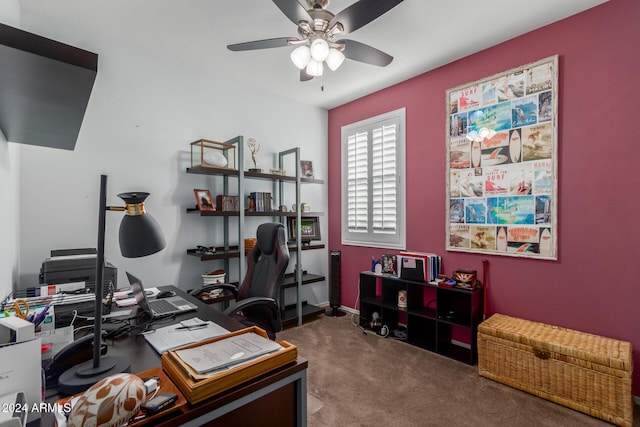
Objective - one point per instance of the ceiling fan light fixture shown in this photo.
(334, 59)
(319, 49)
(301, 56)
(314, 68)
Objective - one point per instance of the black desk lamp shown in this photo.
(140, 235)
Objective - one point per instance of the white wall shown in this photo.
(9, 194)
(143, 113)
(9, 218)
(10, 12)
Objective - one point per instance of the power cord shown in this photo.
(357, 325)
(384, 331)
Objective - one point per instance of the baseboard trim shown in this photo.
(349, 310)
(342, 307)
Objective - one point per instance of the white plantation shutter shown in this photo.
(357, 187)
(373, 182)
(383, 176)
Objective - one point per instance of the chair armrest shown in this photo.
(208, 288)
(269, 303)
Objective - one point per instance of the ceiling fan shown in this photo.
(317, 31)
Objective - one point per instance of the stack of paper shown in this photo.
(226, 352)
(186, 332)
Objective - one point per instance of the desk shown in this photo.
(276, 398)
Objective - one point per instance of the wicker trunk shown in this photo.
(586, 372)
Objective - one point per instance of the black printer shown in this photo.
(75, 265)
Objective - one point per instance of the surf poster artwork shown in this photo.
(501, 154)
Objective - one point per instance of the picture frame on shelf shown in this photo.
(204, 200)
(389, 264)
(465, 278)
(309, 228)
(306, 168)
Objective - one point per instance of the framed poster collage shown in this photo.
(502, 163)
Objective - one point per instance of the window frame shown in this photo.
(371, 238)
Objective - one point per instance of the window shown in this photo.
(373, 181)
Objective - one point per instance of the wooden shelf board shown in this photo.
(212, 170)
(427, 313)
(290, 281)
(219, 254)
(233, 252)
(203, 170)
(290, 315)
(312, 180)
(293, 248)
(249, 213)
(269, 176)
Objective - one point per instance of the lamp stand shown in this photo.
(82, 376)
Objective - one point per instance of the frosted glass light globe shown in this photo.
(319, 50)
(334, 59)
(314, 68)
(301, 56)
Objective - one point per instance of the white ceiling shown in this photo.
(421, 35)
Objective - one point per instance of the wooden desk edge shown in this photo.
(189, 411)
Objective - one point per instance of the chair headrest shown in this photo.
(266, 237)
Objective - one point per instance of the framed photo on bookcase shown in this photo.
(501, 147)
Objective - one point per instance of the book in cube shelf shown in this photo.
(431, 264)
(230, 351)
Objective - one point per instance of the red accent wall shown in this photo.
(594, 286)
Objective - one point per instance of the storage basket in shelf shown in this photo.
(249, 243)
(198, 390)
(213, 154)
(585, 372)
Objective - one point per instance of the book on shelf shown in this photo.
(266, 201)
(258, 200)
(432, 263)
(262, 201)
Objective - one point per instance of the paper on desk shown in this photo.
(169, 337)
(229, 351)
(58, 338)
(122, 301)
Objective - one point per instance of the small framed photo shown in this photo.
(204, 200)
(306, 168)
(389, 264)
(309, 228)
(465, 278)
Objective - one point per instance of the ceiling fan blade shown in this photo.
(304, 76)
(261, 44)
(364, 53)
(294, 10)
(361, 13)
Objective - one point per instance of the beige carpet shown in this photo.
(364, 380)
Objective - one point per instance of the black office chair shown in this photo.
(257, 296)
